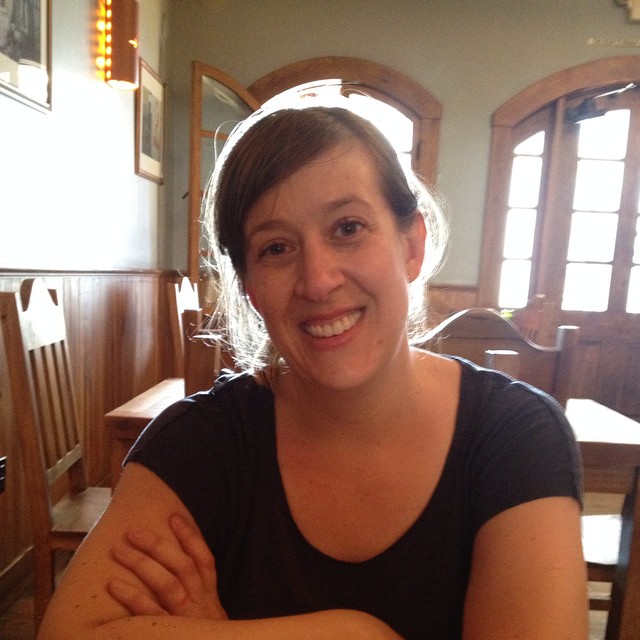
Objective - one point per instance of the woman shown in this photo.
(347, 485)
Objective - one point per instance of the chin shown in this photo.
(348, 377)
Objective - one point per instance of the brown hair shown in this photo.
(282, 142)
(266, 149)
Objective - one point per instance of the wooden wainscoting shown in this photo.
(120, 345)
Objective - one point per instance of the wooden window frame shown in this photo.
(550, 93)
(378, 81)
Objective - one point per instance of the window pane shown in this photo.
(605, 137)
(514, 284)
(593, 236)
(519, 233)
(209, 151)
(532, 146)
(525, 182)
(598, 185)
(633, 299)
(394, 124)
(586, 287)
(221, 105)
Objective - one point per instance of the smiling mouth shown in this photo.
(334, 328)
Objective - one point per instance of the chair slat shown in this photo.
(46, 422)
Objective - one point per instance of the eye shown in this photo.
(274, 249)
(347, 228)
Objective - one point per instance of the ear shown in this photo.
(415, 239)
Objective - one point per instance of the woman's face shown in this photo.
(327, 268)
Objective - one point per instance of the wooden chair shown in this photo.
(182, 296)
(472, 332)
(538, 321)
(202, 353)
(611, 543)
(33, 328)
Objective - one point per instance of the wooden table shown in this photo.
(126, 422)
(610, 446)
(609, 442)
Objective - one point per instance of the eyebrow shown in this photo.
(275, 223)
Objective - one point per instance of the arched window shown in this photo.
(562, 213)
(361, 77)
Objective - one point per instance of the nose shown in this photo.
(319, 273)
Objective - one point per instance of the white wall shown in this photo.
(471, 54)
(69, 196)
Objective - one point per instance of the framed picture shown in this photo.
(149, 124)
(25, 51)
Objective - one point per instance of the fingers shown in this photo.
(157, 566)
(135, 601)
(196, 548)
(178, 573)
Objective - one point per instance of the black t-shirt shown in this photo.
(217, 451)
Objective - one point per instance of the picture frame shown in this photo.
(149, 147)
(25, 52)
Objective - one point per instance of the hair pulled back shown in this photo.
(264, 150)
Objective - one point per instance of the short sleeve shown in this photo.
(521, 448)
(205, 448)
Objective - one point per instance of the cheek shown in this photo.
(266, 296)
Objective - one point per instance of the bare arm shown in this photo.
(528, 577)
(83, 606)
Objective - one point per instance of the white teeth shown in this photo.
(334, 328)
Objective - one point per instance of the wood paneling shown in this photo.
(120, 345)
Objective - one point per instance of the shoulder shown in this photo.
(229, 410)
(495, 395)
(499, 411)
(515, 441)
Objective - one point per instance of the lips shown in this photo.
(333, 328)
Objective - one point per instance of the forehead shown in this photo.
(346, 171)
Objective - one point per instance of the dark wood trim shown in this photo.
(392, 83)
(13, 576)
(591, 75)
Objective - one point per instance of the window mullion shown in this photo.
(623, 255)
(550, 265)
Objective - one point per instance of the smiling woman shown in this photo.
(300, 139)
(327, 264)
(345, 484)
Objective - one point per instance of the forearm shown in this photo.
(339, 623)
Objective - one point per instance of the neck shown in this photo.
(367, 412)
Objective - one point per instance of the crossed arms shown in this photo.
(145, 572)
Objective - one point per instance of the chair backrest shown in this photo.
(201, 353)
(41, 384)
(473, 332)
(206, 353)
(182, 296)
(538, 320)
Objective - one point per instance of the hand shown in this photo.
(179, 574)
